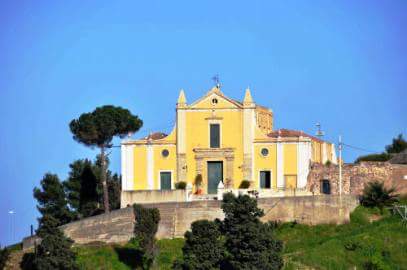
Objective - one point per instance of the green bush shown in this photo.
(240, 241)
(375, 194)
(245, 184)
(181, 185)
(250, 244)
(145, 228)
(4, 254)
(54, 252)
(374, 157)
(203, 248)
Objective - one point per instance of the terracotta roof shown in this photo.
(155, 136)
(291, 133)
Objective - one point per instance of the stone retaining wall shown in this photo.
(176, 217)
(355, 176)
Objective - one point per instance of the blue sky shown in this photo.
(340, 63)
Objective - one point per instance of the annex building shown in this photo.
(219, 139)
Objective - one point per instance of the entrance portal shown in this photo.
(215, 175)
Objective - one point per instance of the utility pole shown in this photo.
(340, 165)
(12, 212)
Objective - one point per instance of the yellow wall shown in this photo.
(316, 151)
(329, 151)
(290, 159)
(197, 136)
(140, 167)
(265, 163)
(164, 163)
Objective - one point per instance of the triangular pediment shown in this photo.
(215, 99)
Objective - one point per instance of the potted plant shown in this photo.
(180, 185)
(198, 183)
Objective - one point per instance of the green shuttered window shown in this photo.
(214, 135)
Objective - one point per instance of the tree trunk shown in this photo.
(103, 178)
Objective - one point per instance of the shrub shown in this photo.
(250, 244)
(245, 184)
(4, 254)
(54, 252)
(375, 194)
(203, 248)
(145, 228)
(374, 157)
(240, 241)
(181, 185)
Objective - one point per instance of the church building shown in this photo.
(217, 138)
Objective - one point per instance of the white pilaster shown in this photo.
(150, 167)
(249, 119)
(303, 160)
(127, 160)
(181, 143)
(333, 150)
(280, 165)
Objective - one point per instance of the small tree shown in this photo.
(115, 188)
(51, 199)
(72, 185)
(88, 195)
(97, 129)
(145, 228)
(203, 247)
(83, 187)
(250, 244)
(375, 194)
(398, 145)
(54, 252)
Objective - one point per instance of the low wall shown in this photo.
(176, 217)
(152, 196)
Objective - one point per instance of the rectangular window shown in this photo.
(325, 186)
(165, 180)
(265, 179)
(214, 135)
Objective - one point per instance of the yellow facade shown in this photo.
(249, 149)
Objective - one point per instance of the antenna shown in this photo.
(319, 132)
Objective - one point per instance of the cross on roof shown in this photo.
(216, 80)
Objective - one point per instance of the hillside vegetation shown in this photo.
(369, 241)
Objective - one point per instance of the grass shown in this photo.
(121, 257)
(381, 244)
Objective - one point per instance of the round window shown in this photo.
(214, 101)
(264, 152)
(165, 153)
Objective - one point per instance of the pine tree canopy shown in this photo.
(98, 128)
